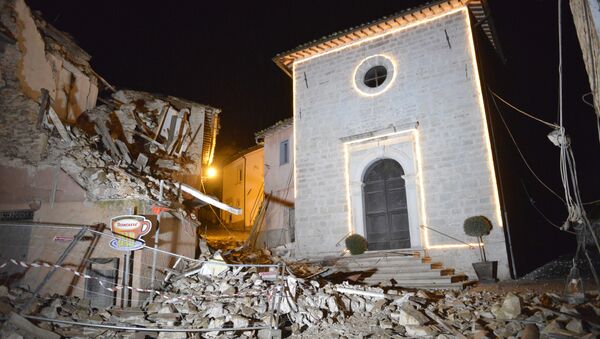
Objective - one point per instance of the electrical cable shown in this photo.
(523, 156)
(521, 153)
(521, 111)
(532, 202)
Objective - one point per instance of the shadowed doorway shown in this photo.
(386, 212)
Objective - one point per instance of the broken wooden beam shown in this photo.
(209, 200)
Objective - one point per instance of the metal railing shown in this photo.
(71, 249)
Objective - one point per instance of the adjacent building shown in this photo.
(278, 143)
(67, 160)
(243, 186)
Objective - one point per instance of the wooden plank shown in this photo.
(59, 125)
(163, 116)
(443, 324)
(436, 9)
(392, 23)
(427, 11)
(43, 107)
(419, 15)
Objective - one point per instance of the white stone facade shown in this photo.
(430, 118)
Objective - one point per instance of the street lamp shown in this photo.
(211, 172)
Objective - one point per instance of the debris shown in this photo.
(531, 331)
(410, 316)
(59, 125)
(510, 309)
(30, 329)
(442, 323)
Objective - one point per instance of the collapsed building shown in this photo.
(71, 157)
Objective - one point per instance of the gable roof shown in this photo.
(478, 8)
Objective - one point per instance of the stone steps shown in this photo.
(413, 266)
(433, 286)
(416, 279)
(405, 270)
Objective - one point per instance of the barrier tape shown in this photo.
(120, 287)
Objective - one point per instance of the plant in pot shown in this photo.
(356, 244)
(480, 226)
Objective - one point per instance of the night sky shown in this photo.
(219, 53)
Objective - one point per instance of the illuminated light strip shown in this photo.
(474, 245)
(421, 188)
(488, 145)
(379, 91)
(398, 29)
(348, 193)
(420, 170)
(380, 136)
(294, 129)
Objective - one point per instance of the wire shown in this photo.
(521, 111)
(532, 202)
(521, 153)
(585, 101)
(523, 157)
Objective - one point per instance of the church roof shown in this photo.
(478, 8)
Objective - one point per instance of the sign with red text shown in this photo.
(128, 229)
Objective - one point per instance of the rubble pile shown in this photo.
(123, 149)
(241, 298)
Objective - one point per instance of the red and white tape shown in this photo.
(120, 287)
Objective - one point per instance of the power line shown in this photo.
(532, 202)
(521, 153)
(522, 111)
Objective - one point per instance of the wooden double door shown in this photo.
(386, 211)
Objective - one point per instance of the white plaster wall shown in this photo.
(252, 164)
(435, 85)
(280, 182)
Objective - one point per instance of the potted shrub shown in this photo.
(356, 244)
(480, 226)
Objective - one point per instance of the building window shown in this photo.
(375, 76)
(284, 153)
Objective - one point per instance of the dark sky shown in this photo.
(219, 53)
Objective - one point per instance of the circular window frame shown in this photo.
(365, 65)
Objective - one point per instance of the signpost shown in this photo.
(128, 229)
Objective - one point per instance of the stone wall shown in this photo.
(31, 59)
(436, 84)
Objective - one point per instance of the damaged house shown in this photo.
(391, 139)
(278, 226)
(69, 160)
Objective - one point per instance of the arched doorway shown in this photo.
(386, 212)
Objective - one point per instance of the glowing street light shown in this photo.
(211, 172)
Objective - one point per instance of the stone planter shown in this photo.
(487, 271)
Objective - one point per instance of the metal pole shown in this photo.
(147, 329)
(125, 290)
(156, 235)
(59, 262)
